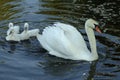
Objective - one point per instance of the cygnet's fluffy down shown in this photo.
(11, 26)
(26, 34)
(12, 36)
(33, 32)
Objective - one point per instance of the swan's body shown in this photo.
(63, 40)
(12, 36)
(11, 26)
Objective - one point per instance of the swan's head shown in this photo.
(90, 23)
(10, 25)
(26, 26)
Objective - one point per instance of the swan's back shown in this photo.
(64, 26)
(64, 41)
(72, 33)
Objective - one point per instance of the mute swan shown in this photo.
(11, 26)
(65, 41)
(12, 36)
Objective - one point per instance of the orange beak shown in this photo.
(97, 29)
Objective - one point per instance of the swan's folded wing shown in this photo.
(57, 40)
(72, 34)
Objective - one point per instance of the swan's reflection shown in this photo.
(58, 67)
(92, 71)
(12, 47)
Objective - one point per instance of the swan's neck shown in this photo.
(92, 42)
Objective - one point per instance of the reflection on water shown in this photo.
(29, 61)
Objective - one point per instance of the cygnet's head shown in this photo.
(26, 26)
(90, 23)
(10, 25)
(11, 31)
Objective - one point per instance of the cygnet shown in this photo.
(11, 26)
(12, 36)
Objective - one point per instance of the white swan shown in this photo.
(65, 41)
(11, 26)
(12, 36)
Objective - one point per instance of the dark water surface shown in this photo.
(28, 61)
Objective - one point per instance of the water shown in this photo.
(28, 61)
